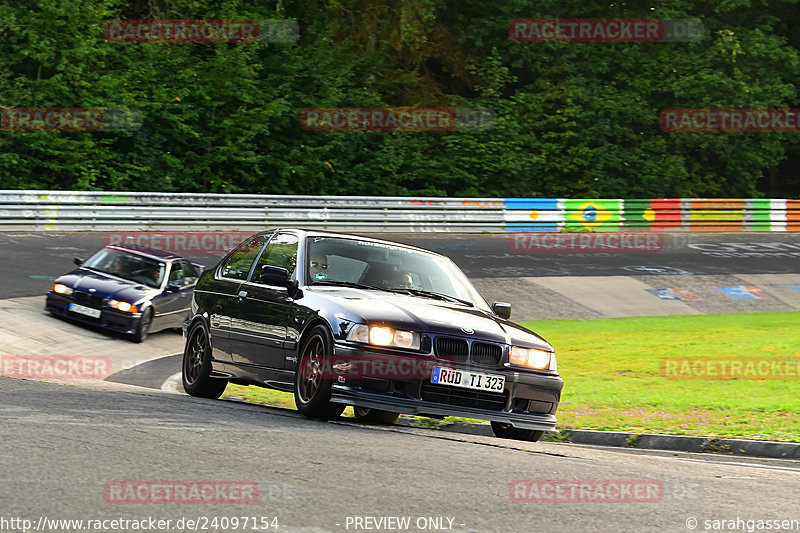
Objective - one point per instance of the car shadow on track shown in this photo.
(150, 374)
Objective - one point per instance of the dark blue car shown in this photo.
(134, 292)
(385, 327)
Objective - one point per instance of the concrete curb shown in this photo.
(649, 441)
(685, 443)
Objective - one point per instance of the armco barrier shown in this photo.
(101, 211)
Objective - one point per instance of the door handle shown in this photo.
(242, 295)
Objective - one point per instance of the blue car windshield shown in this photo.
(131, 267)
(332, 260)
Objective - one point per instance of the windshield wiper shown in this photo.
(415, 292)
(95, 269)
(436, 295)
(349, 284)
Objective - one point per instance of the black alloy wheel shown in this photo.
(312, 387)
(196, 373)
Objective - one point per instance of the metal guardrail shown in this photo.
(104, 211)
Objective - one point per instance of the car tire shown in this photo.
(365, 415)
(507, 431)
(145, 322)
(312, 389)
(196, 368)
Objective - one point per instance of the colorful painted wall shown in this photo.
(659, 214)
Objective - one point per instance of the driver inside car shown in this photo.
(402, 280)
(156, 274)
(318, 267)
(118, 266)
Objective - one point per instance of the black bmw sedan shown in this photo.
(387, 328)
(130, 291)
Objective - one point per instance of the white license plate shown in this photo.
(468, 380)
(83, 310)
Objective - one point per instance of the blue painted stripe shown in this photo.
(524, 226)
(531, 203)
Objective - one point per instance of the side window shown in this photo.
(280, 252)
(176, 275)
(238, 264)
(190, 273)
(183, 274)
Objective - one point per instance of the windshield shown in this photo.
(380, 266)
(128, 266)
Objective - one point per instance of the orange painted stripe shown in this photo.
(792, 211)
(721, 203)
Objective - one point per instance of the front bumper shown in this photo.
(109, 319)
(529, 400)
(351, 396)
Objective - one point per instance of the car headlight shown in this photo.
(123, 306)
(384, 336)
(533, 358)
(60, 288)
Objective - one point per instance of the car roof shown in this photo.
(147, 252)
(317, 233)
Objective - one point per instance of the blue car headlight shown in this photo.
(125, 307)
(60, 288)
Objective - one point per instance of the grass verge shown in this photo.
(616, 374)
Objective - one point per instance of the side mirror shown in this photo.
(272, 275)
(502, 309)
(77, 260)
(173, 288)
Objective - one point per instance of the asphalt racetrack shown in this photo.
(65, 448)
(32, 259)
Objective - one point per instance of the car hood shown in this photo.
(106, 286)
(428, 315)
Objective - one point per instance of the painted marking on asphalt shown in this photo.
(172, 382)
(743, 292)
(673, 294)
(733, 463)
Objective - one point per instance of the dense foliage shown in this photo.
(573, 119)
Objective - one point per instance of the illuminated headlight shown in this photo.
(123, 306)
(60, 288)
(533, 358)
(383, 336)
